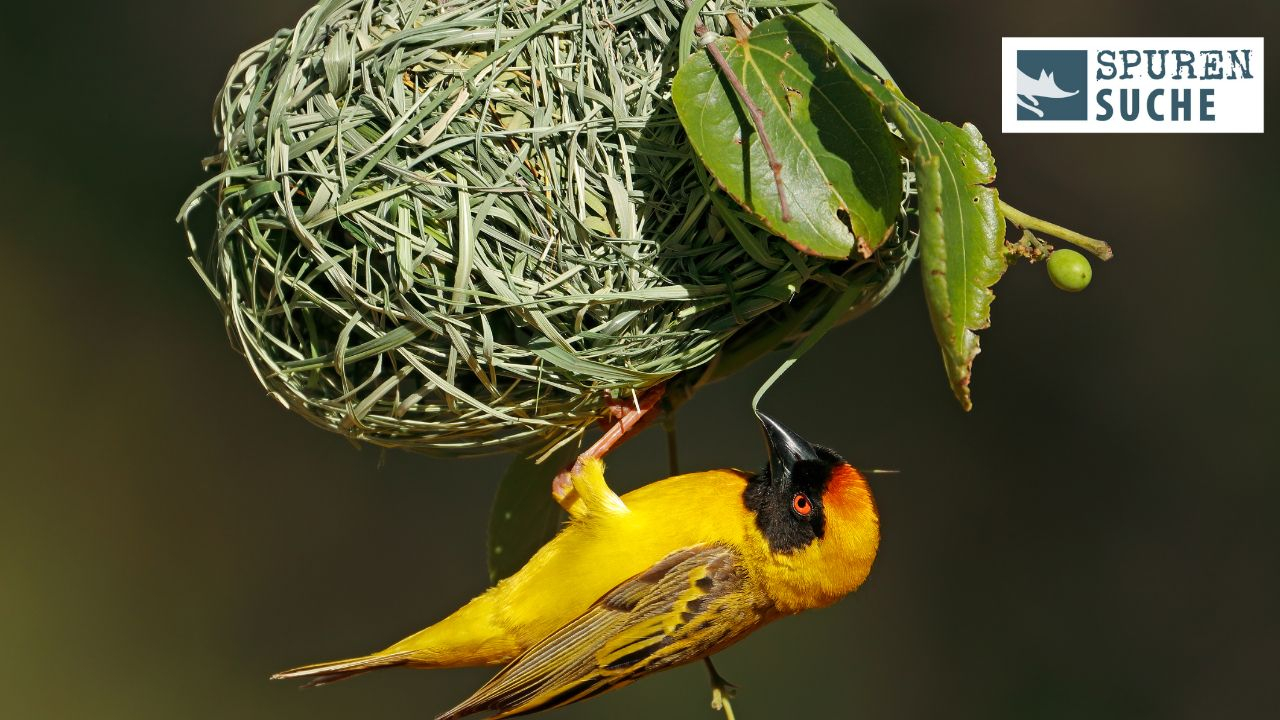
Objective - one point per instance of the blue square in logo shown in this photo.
(1053, 85)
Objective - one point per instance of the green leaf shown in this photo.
(840, 172)
(524, 515)
(258, 189)
(961, 227)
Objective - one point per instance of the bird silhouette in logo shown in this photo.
(1043, 87)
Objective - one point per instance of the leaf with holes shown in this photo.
(961, 226)
(841, 174)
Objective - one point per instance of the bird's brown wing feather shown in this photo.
(688, 605)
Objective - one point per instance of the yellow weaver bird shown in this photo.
(665, 575)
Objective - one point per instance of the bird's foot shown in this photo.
(721, 691)
(720, 701)
(562, 485)
(628, 418)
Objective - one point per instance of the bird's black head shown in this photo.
(787, 496)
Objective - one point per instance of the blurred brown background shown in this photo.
(1097, 539)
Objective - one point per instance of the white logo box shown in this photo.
(1236, 105)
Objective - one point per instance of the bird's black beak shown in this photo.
(785, 447)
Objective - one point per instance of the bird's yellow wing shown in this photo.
(689, 605)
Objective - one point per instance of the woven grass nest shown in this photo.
(461, 227)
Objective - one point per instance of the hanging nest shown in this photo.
(461, 227)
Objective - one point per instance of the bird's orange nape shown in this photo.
(848, 494)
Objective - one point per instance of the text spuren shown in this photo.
(1173, 104)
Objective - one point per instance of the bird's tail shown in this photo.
(467, 638)
(330, 672)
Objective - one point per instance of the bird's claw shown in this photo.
(722, 691)
(625, 419)
(615, 409)
(720, 701)
(562, 485)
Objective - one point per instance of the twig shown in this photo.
(757, 117)
(1029, 222)
(673, 444)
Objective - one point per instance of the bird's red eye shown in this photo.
(800, 503)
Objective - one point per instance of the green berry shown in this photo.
(1069, 270)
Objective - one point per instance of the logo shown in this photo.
(1053, 85)
(1132, 85)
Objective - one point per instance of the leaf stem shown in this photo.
(1030, 222)
(757, 117)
